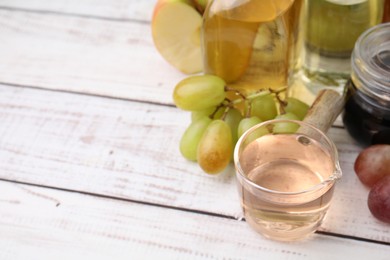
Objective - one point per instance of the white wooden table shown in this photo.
(89, 159)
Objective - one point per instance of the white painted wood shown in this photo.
(125, 149)
(76, 226)
(118, 9)
(84, 55)
(130, 150)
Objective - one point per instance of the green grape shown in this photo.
(195, 115)
(233, 118)
(286, 127)
(247, 123)
(264, 107)
(191, 137)
(296, 107)
(199, 92)
(215, 147)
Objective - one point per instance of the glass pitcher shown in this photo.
(251, 44)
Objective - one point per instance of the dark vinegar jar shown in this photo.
(367, 112)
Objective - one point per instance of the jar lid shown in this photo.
(371, 62)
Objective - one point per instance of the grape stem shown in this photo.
(256, 94)
(249, 106)
(225, 113)
(282, 103)
(248, 99)
(237, 92)
(216, 110)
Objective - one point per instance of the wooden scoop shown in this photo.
(325, 109)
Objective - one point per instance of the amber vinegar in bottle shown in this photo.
(251, 43)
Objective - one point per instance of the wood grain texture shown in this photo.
(92, 148)
(77, 226)
(130, 150)
(77, 54)
(106, 9)
(325, 109)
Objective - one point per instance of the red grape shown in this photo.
(373, 164)
(379, 200)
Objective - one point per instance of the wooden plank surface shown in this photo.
(103, 9)
(76, 225)
(130, 150)
(122, 187)
(77, 54)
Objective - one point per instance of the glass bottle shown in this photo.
(251, 43)
(386, 12)
(367, 111)
(329, 33)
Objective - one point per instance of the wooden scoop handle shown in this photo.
(325, 109)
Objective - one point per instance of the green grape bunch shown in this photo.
(217, 122)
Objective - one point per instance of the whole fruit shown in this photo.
(373, 164)
(379, 200)
(199, 92)
(215, 148)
